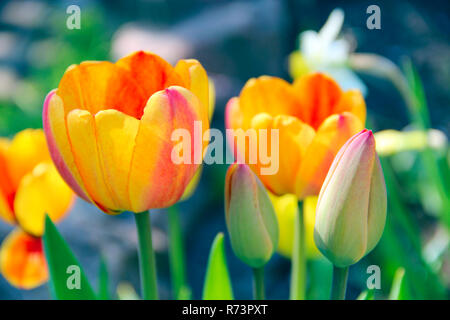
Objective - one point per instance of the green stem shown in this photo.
(147, 264)
(339, 285)
(176, 255)
(258, 283)
(298, 271)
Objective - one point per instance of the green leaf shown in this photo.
(217, 281)
(399, 289)
(67, 279)
(366, 295)
(103, 289)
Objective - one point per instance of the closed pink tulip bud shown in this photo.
(351, 210)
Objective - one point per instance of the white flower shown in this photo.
(324, 51)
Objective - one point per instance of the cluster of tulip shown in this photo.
(323, 151)
(108, 129)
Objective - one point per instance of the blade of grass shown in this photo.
(103, 288)
(398, 288)
(176, 256)
(67, 279)
(217, 280)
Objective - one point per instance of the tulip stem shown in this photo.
(147, 264)
(258, 283)
(176, 255)
(298, 269)
(339, 285)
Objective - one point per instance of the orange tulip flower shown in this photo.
(314, 117)
(109, 125)
(30, 187)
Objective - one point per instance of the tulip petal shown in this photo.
(234, 118)
(286, 209)
(22, 260)
(294, 138)
(330, 137)
(196, 80)
(343, 203)
(151, 72)
(82, 135)
(116, 134)
(7, 191)
(353, 102)
(95, 86)
(378, 204)
(26, 150)
(250, 207)
(318, 95)
(157, 181)
(59, 145)
(41, 191)
(190, 189)
(270, 95)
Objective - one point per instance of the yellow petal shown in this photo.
(59, 145)
(353, 102)
(330, 137)
(196, 79)
(212, 99)
(116, 133)
(189, 191)
(6, 188)
(286, 208)
(155, 180)
(81, 130)
(309, 216)
(27, 149)
(297, 65)
(294, 138)
(41, 191)
(269, 95)
(22, 260)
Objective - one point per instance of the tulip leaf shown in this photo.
(217, 281)
(103, 288)
(399, 288)
(67, 278)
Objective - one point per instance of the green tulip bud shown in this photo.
(250, 217)
(351, 210)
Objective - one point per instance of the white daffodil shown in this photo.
(324, 51)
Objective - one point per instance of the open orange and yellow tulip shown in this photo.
(109, 126)
(314, 117)
(30, 187)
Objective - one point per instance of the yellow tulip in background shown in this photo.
(286, 209)
(30, 187)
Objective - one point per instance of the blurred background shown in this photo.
(236, 40)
